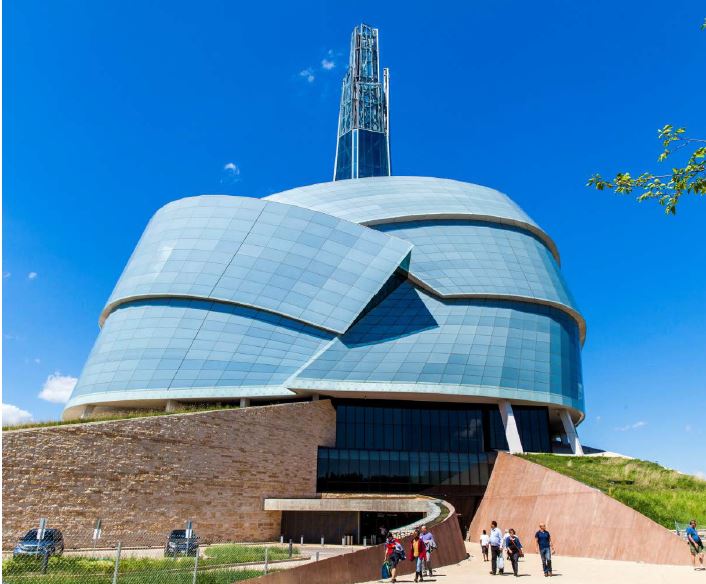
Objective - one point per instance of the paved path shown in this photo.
(566, 570)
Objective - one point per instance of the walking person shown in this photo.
(484, 539)
(696, 546)
(394, 552)
(418, 554)
(430, 543)
(545, 548)
(495, 540)
(514, 550)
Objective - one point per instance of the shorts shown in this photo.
(696, 549)
(394, 559)
(484, 549)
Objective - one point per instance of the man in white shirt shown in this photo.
(496, 542)
(484, 543)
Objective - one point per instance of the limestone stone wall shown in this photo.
(582, 521)
(145, 476)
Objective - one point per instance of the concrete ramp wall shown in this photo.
(583, 521)
(365, 564)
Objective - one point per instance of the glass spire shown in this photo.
(363, 147)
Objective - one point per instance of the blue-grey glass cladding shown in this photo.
(412, 342)
(372, 154)
(381, 199)
(344, 157)
(173, 348)
(306, 265)
(475, 257)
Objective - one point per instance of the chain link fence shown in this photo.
(46, 555)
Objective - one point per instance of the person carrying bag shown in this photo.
(514, 550)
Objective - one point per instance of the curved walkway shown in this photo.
(566, 570)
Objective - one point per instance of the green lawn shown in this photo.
(212, 568)
(128, 415)
(663, 495)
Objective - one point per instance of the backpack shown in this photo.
(399, 550)
(386, 570)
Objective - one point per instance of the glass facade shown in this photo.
(234, 297)
(386, 199)
(413, 342)
(306, 265)
(363, 147)
(174, 348)
(473, 257)
(414, 447)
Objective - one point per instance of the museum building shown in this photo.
(431, 312)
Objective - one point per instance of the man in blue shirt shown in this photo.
(696, 546)
(545, 548)
(496, 540)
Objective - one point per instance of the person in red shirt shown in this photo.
(418, 554)
(393, 553)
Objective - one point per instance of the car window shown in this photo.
(49, 535)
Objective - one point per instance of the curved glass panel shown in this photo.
(380, 198)
(415, 343)
(176, 348)
(311, 267)
(474, 257)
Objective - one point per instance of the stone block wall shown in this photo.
(146, 476)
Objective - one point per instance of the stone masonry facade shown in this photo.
(143, 477)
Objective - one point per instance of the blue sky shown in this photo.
(113, 109)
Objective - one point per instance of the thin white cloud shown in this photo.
(6, 275)
(308, 74)
(232, 168)
(32, 275)
(57, 388)
(37, 360)
(12, 415)
(635, 426)
(327, 64)
(700, 474)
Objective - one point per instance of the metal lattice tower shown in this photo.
(363, 147)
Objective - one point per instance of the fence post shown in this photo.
(267, 557)
(317, 556)
(45, 561)
(365, 541)
(290, 548)
(301, 541)
(117, 563)
(196, 566)
(322, 541)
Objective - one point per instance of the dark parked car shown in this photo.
(52, 544)
(178, 544)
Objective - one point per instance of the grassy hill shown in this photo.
(661, 494)
(124, 415)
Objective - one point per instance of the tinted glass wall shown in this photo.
(533, 426)
(413, 447)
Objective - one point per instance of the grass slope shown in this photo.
(217, 566)
(127, 415)
(663, 495)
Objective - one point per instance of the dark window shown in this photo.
(384, 447)
(533, 427)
